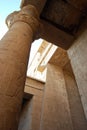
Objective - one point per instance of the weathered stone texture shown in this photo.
(39, 4)
(14, 53)
(56, 36)
(31, 114)
(13, 65)
(76, 110)
(56, 112)
(26, 115)
(59, 58)
(78, 57)
(79, 4)
(64, 15)
(57, 105)
(34, 84)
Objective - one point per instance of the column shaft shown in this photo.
(14, 52)
(39, 4)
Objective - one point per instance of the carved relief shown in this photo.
(28, 14)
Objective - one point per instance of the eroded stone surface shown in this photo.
(14, 53)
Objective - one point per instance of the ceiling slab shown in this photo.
(61, 19)
(80, 4)
(55, 35)
(62, 15)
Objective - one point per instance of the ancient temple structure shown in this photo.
(60, 102)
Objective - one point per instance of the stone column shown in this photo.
(39, 4)
(14, 52)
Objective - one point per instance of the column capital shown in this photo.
(27, 14)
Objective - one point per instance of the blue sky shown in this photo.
(6, 7)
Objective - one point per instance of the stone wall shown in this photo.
(78, 58)
(56, 112)
(76, 110)
(31, 118)
(55, 105)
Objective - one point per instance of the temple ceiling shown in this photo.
(61, 19)
(66, 15)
